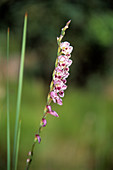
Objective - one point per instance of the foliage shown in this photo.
(91, 32)
(81, 138)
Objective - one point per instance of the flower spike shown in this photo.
(57, 85)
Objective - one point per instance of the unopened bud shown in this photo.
(29, 154)
(28, 160)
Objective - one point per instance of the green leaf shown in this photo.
(19, 91)
(17, 147)
(8, 114)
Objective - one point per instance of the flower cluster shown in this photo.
(57, 86)
(61, 73)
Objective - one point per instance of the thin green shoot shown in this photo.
(17, 147)
(19, 89)
(8, 114)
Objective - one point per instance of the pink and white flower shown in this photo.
(50, 111)
(64, 45)
(44, 122)
(38, 138)
(66, 48)
(58, 84)
(61, 93)
(61, 73)
(64, 61)
(55, 98)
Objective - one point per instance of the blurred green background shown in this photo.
(82, 137)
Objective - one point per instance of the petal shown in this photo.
(70, 49)
(61, 93)
(64, 80)
(53, 95)
(28, 160)
(62, 58)
(66, 69)
(53, 113)
(59, 101)
(64, 87)
(54, 100)
(44, 122)
(67, 50)
(66, 75)
(64, 44)
(68, 55)
(29, 154)
(69, 62)
(58, 88)
(38, 138)
(48, 107)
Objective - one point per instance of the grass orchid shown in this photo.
(57, 85)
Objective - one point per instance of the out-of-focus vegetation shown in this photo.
(91, 34)
(82, 138)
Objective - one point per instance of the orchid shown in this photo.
(61, 72)
(57, 86)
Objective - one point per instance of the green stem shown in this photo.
(8, 116)
(49, 100)
(18, 140)
(20, 89)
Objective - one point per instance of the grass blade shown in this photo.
(20, 89)
(17, 147)
(8, 116)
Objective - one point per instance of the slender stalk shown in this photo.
(20, 89)
(8, 114)
(49, 100)
(18, 140)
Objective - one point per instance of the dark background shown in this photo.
(91, 33)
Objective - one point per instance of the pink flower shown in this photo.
(55, 98)
(64, 80)
(58, 73)
(58, 82)
(59, 101)
(61, 74)
(69, 62)
(38, 138)
(66, 69)
(50, 111)
(58, 70)
(62, 58)
(64, 61)
(59, 85)
(61, 93)
(29, 154)
(66, 48)
(68, 55)
(28, 160)
(44, 122)
(64, 44)
(66, 75)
